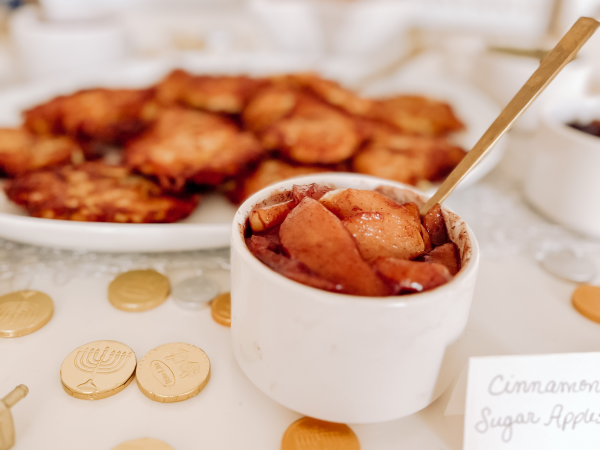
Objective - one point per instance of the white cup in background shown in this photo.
(81, 9)
(562, 181)
(49, 49)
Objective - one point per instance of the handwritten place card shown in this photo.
(533, 402)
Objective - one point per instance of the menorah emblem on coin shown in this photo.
(89, 360)
(19, 311)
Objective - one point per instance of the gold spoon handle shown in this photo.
(552, 64)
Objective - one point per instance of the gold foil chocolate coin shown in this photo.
(143, 444)
(220, 309)
(98, 370)
(312, 434)
(138, 290)
(24, 312)
(173, 372)
(586, 300)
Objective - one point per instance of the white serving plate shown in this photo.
(209, 226)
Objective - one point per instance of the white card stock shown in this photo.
(533, 402)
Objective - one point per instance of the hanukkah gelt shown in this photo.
(24, 312)
(143, 444)
(98, 370)
(586, 300)
(195, 292)
(312, 434)
(220, 309)
(569, 265)
(138, 290)
(173, 372)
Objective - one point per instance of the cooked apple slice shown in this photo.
(262, 248)
(412, 276)
(435, 225)
(348, 202)
(446, 255)
(382, 234)
(426, 239)
(269, 216)
(315, 237)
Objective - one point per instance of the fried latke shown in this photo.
(22, 151)
(417, 114)
(407, 158)
(270, 171)
(105, 115)
(268, 106)
(188, 145)
(302, 127)
(97, 192)
(226, 94)
(330, 92)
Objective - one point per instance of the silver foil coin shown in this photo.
(195, 292)
(568, 265)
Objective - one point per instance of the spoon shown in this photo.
(551, 65)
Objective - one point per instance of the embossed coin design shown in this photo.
(98, 370)
(195, 292)
(173, 372)
(313, 434)
(138, 290)
(586, 300)
(24, 312)
(143, 444)
(220, 309)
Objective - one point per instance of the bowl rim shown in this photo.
(562, 128)
(400, 301)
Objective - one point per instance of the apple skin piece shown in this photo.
(349, 202)
(313, 190)
(265, 249)
(426, 239)
(264, 218)
(316, 237)
(446, 255)
(381, 234)
(412, 276)
(434, 223)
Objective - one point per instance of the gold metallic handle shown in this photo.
(552, 64)
(15, 396)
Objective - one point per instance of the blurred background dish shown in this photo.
(562, 181)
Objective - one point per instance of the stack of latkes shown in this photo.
(232, 134)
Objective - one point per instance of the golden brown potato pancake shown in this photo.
(417, 114)
(96, 192)
(302, 127)
(226, 94)
(188, 145)
(407, 158)
(104, 115)
(22, 151)
(330, 92)
(269, 172)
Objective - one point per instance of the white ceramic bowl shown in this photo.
(345, 358)
(562, 180)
